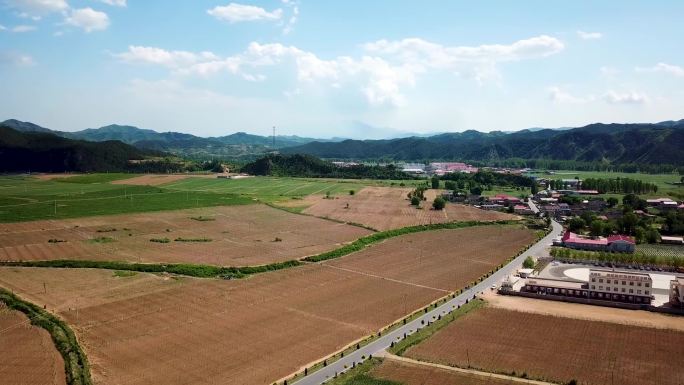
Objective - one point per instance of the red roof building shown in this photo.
(616, 243)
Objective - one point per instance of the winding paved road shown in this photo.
(379, 345)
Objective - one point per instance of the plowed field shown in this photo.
(239, 236)
(413, 374)
(27, 353)
(558, 349)
(385, 208)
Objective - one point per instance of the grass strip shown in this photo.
(359, 375)
(361, 243)
(76, 366)
(426, 332)
(192, 270)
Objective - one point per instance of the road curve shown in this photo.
(379, 345)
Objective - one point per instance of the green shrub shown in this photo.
(160, 240)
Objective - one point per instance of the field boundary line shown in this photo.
(480, 373)
(384, 278)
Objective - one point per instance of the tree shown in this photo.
(435, 182)
(534, 188)
(596, 227)
(352, 192)
(576, 224)
(612, 201)
(415, 201)
(629, 221)
(528, 263)
(438, 203)
(652, 235)
(450, 185)
(477, 190)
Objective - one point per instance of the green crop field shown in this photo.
(24, 198)
(666, 188)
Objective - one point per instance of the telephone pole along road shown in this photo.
(379, 345)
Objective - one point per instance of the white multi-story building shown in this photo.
(620, 286)
(677, 291)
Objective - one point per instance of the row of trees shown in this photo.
(619, 185)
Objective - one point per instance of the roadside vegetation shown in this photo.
(76, 365)
(655, 257)
(359, 375)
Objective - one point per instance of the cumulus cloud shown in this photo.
(631, 97)
(234, 13)
(37, 8)
(557, 95)
(115, 3)
(589, 35)
(16, 59)
(669, 69)
(87, 19)
(23, 28)
(380, 75)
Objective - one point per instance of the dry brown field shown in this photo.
(240, 236)
(151, 179)
(27, 353)
(586, 312)
(443, 259)
(384, 208)
(414, 374)
(53, 176)
(142, 330)
(558, 349)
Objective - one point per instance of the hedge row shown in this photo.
(192, 270)
(76, 366)
(361, 243)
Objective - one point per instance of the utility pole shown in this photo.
(273, 138)
(55, 207)
(44, 288)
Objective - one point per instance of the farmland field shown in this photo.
(443, 259)
(28, 355)
(557, 349)
(414, 374)
(659, 250)
(234, 236)
(145, 328)
(385, 208)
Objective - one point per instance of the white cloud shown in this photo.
(609, 71)
(23, 28)
(37, 8)
(664, 68)
(115, 3)
(557, 95)
(16, 59)
(168, 59)
(88, 19)
(294, 6)
(234, 13)
(2, 27)
(631, 97)
(589, 35)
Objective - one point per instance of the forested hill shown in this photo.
(46, 152)
(659, 143)
(309, 166)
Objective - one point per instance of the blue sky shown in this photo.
(344, 68)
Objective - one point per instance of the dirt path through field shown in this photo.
(487, 375)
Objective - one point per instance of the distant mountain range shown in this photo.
(37, 150)
(644, 143)
(657, 143)
(234, 145)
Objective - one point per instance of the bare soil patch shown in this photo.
(144, 329)
(585, 312)
(239, 236)
(385, 208)
(27, 353)
(151, 179)
(558, 349)
(413, 374)
(54, 176)
(443, 259)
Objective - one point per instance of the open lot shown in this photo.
(443, 259)
(27, 353)
(146, 329)
(151, 179)
(385, 208)
(557, 349)
(237, 236)
(585, 312)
